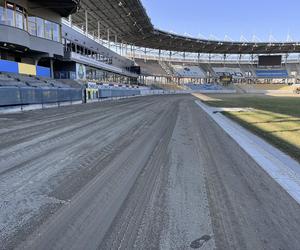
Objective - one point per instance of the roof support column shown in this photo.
(285, 65)
(121, 48)
(52, 68)
(224, 61)
(116, 41)
(209, 72)
(86, 22)
(286, 58)
(99, 31)
(133, 50)
(70, 20)
(108, 37)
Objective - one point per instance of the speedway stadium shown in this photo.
(115, 134)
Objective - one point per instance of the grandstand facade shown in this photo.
(75, 44)
(35, 40)
(181, 71)
(169, 58)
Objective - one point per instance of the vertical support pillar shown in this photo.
(122, 48)
(133, 51)
(70, 20)
(209, 63)
(99, 31)
(51, 68)
(86, 22)
(108, 37)
(116, 42)
(286, 61)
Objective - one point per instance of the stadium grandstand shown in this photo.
(175, 142)
(79, 43)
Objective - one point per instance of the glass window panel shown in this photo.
(56, 32)
(48, 30)
(10, 20)
(32, 26)
(2, 15)
(40, 27)
(19, 20)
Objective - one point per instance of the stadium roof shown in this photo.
(128, 21)
(63, 7)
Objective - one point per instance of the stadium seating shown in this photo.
(273, 73)
(188, 71)
(18, 80)
(266, 87)
(204, 87)
(96, 91)
(152, 68)
(167, 86)
(225, 71)
(17, 89)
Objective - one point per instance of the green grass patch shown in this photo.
(275, 119)
(281, 105)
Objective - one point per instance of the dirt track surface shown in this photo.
(142, 173)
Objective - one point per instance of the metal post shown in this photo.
(99, 35)
(286, 60)
(134, 51)
(122, 48)
(36, 61)
(70, 20)
(116, 40)
(108, 37)
(86, 23)
(209, 63)
(51, 68)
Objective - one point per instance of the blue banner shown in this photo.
(272, 73)
(9, 66)
(42, 71)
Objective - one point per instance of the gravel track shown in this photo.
(142, 173)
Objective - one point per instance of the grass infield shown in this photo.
(274, 118)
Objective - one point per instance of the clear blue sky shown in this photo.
(227, 17)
